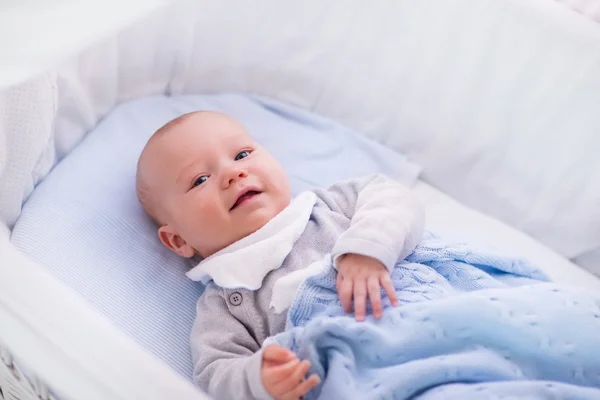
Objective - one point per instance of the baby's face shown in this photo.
(213, 184)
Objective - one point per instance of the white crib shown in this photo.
(497, 100)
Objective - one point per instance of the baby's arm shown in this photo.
(227, 359)
(387, 223)
(229, 363)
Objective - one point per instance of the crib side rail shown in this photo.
(57, 339)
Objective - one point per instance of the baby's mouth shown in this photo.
(244, 197)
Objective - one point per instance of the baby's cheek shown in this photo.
(203, 227)
(207, 213)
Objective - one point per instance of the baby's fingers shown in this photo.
(374, 295)
(276, 353)
(388, 286)
(360, 299)
(303, 388)
(345, 294)
(276, 374)
(291, 381)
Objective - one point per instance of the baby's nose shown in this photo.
(234, 175)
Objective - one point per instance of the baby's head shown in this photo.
(207, 184)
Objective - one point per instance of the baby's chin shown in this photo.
(248, 223)
(257, 222)
(259, 218)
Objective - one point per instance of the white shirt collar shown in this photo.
(245, 263)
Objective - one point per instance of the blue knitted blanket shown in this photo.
(470, 325)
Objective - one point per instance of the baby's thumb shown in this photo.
(277, 353)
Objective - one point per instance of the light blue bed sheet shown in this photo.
(84, 223)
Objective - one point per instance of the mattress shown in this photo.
(84, 224)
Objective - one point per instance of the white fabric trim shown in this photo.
(286, 287)
(245, 263)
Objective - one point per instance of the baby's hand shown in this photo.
(283, 375)
(359, 275)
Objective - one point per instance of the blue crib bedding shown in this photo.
(84, 223)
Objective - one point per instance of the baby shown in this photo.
(217, 194)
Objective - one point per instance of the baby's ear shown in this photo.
(172, 241)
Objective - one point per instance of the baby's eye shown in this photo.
(242, 154)
(200, 180)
